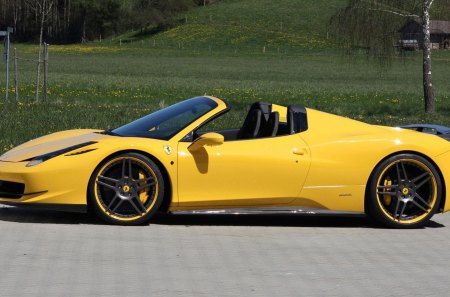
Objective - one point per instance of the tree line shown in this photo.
(68, 21)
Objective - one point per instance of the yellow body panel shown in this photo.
(65, 179)
(242, 173)
(327, 166)
(282, 111)
(344, 153)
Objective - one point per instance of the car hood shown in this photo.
(51, 143)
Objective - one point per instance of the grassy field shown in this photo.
(103, 85)
(246, 25)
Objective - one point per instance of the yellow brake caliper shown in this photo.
(386, 197)
(143, 194)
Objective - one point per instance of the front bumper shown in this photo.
(50, 183)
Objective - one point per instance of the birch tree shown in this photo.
(427, 78)
(42, 8)
(373, 25)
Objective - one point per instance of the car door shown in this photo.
(264, 171)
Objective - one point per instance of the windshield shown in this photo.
(165, 123)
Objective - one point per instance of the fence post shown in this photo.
(45, 70)
(7, 64)
(16, 75)
(38, 74)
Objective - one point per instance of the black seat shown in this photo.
(296, 119)
(256, 118)
(252, 124)
(270, 129)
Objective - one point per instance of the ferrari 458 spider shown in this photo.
(281, 158)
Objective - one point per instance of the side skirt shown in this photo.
(265, 211)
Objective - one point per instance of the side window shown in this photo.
(228, 121)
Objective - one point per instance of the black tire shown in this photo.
(404, 192)
(126, 189)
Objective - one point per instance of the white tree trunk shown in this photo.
(427, 78)
(38, 76)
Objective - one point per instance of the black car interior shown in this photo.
(262, 122)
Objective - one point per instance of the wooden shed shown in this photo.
(412, 34)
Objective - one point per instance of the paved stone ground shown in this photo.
(58, 254)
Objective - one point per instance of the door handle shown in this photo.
(297, 151)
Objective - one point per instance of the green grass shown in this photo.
(246, 25)
(104, 85)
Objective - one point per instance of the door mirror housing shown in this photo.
(210, 139)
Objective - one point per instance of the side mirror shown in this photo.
(210, 138)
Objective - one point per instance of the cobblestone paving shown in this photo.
(58, 254)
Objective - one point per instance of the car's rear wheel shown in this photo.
(404, 191)
(126, 189)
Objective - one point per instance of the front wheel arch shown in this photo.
(168, 191)
(167, 198)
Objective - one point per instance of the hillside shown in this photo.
(251, 24)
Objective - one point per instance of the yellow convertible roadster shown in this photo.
(282, 158)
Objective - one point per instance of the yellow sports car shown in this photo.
(282, 158)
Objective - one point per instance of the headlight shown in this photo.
(42, 158)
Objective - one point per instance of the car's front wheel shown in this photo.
(126, 189)
(404, 191)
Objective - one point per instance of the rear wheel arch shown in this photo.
(405, 157)
(442, 203)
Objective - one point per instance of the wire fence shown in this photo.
(27, 75)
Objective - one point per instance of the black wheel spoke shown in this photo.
(104, 184)
(416, 179)
(135, 207)
(117, 205)
(388, 187)
(392, 190)
(139, 201)
(423, 182)
(386, 193)
(405, 174)
(403, 210)
(419, 206)
(398, 173)
(396, 208)
(130, 169)
(113, 180)
(144, 180)
(112, 202)
(422, 200)
(145, 186)
(124, 165)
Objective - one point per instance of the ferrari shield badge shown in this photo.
(168, 149)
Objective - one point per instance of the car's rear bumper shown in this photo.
(443, 162)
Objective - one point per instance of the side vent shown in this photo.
(80, 152)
